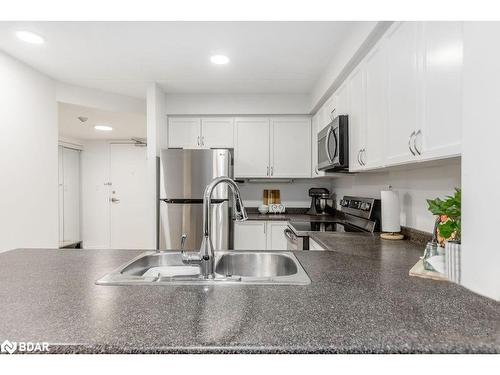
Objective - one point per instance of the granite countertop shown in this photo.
(289, 217)
(361, 300)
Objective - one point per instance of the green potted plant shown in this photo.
(449, 230)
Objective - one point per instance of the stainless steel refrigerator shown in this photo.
(183, 176)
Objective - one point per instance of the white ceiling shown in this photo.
(122, 57)
(125, 125)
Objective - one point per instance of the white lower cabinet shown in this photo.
(260, 235)
(250, 235)
(275, 231)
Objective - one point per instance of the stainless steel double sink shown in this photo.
(231, 267)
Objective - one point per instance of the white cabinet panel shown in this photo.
(276, 239)
(315, 128)
(313, 245)
(356, 119)
(342, 100)
(184, 132)
(250, 235)
(290, 147)
(402, 91)
(217, 132)
(441, 133)
(376, 107)
(252, 147)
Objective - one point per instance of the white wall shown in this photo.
(95, 206)
(480, 161)
(157, 137)
(67, 93)
(28, 160)
(237, 104)
(294, 194)
(414, 186)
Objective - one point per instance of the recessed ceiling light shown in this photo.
(29, 37)
(103, 128)
(219, 59)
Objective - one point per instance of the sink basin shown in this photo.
(260, 265)
(231, 267)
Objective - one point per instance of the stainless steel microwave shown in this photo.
(333, 145)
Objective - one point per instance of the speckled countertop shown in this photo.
(361, 300)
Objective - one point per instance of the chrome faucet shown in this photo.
(205, 257)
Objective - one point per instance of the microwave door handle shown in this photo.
(327, 141)
(336, 143)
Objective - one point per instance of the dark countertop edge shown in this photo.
(115, 349)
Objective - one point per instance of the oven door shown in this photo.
(293, 242)
(328, 147)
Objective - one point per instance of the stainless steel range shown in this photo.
(356, 214)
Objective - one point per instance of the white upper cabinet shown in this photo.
(376, 107)
(290, 147)
(209, 132)
(217, 132)
(252, 157)
(441, 131)
(357, 122)
(403, 119)
(342, 100)
(184, 132)
(315, 128)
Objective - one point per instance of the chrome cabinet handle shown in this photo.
(198, 141)
(267, 171)
(359, 162)
(409, 143)
(415, 142)
(361, 156)
(203, 140)
(114, 200)
(272, 170)
(289, 234)
(330, 131)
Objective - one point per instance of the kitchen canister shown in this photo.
(452, 257)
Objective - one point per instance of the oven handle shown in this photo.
(290, 235)
(330, 132)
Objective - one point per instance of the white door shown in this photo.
(129, 197)
(441, 133)
(250, 235)
(61, 193)
(276, 239)
(402, 91)
(376, 106)
(252, 147)
(290, 147)
(71, 194)
(357, 124)
(217, 132)
(184, 132)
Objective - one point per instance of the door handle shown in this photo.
(198, 141)
(409, 142)
(114, 200)
(361, 153)
(272, 170)
(359, 160)
(267, 171)
(327, 149)
(415, 142)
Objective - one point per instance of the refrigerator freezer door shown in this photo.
(184, 174)
(178, 220)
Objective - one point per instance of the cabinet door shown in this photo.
(376, 106)
(250, 235)
(276, 239)
(342, 100)
(402, 91)
(252, 147)
(315, 127)
(441, 133)
(356, 118)
(291, 147)
(217, 132)
(184, 132)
